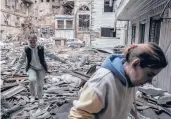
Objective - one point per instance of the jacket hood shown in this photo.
(114, 63)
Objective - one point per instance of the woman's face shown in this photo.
(140, 76)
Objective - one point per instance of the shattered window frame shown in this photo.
(82, 24)
(84, 8)
(7, 19)
(17, 23)
(107, 32)
(16, 4)
(107, 7)
(60, 25)
(70, 25)
(7, 3)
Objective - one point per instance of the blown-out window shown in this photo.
(108, 32)
(84, 22)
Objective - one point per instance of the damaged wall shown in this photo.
(13, 15)
(103, 18)
(82, 11)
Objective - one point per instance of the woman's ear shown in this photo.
(136, 62)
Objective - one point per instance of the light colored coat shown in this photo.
(103, 97)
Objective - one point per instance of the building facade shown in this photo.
(149, 21)
(12, 14)
(47, 12)
(64, 26)
(82, 20)
(106, 31)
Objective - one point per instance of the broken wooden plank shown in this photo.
(79, 75)
(12, 91)
(8, 85)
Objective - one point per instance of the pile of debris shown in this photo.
(153, 103)
(62, 83)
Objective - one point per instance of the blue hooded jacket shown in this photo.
(114, 63)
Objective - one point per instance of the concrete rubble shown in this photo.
(63, 84)
(153, 103)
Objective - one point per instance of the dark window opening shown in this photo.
(16, 4)
(60, 24)
(41, 0)
(108, 7)
(142, 33)
(154, 34)
(84, 22)
(133, 33)
(108, 32)
(53, 0)
(47, 0)
(17, 23)
(69, 24)
(7, 3)
(7, 19)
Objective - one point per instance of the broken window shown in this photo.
(154, 35)
(108, 5)
(142, 32)
(84, 8)
(108, 32)
(7, 3)
(60, 24)
(7, 19)
(17, 23)
(47, 0)
(69, 24)
(16, 5)
(84, 22)
(133, 33)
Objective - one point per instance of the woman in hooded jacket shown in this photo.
(110, 92)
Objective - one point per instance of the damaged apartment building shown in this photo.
(91, 21)
(106, 32)
(13, 13)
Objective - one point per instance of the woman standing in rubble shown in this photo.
(36, 66)
(110, 92)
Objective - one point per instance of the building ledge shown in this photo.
(27, 1)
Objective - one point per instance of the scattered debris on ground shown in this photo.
(63, 84)
(153, 102)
